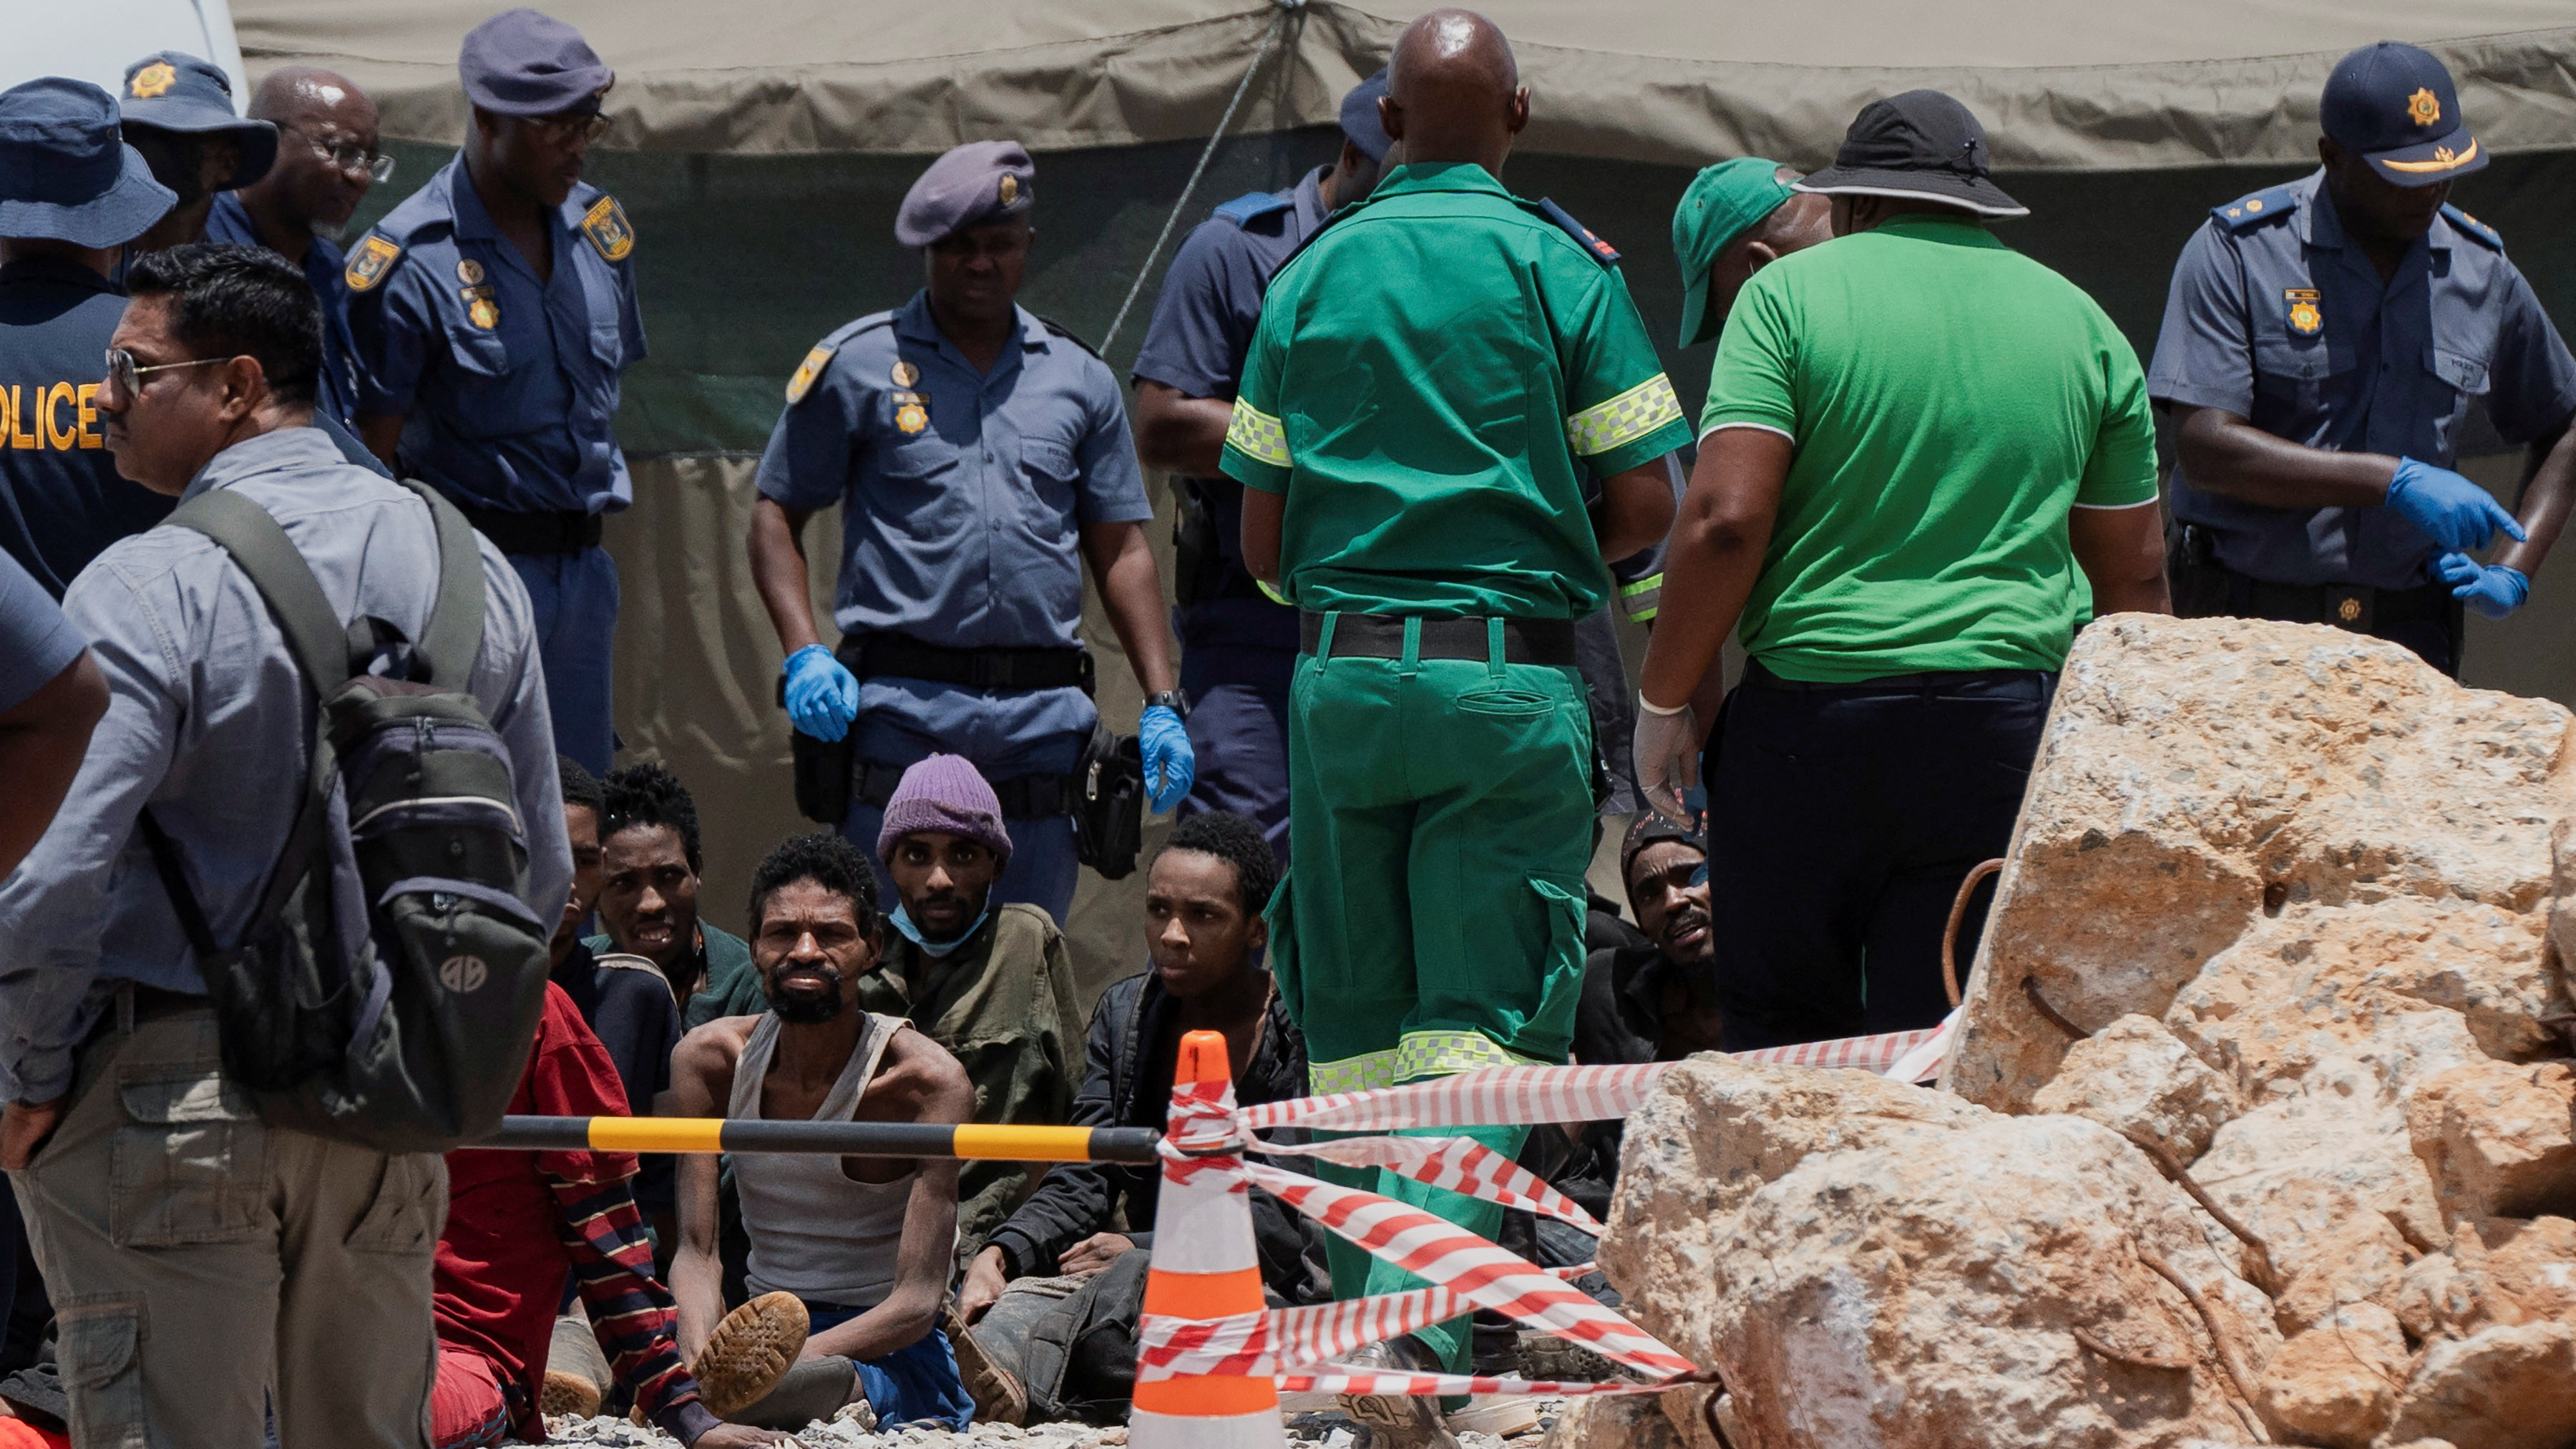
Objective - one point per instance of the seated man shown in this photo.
(628, 1008)
(1205, 934)
(991, 984)
(517, 1225)
(648, 895)
(864, 1243)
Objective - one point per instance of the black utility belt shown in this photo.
(2358, 607)
(535, 533)
(985, 671)
(1023, 797)
(1381, 636)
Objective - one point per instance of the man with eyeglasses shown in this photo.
(492, 313)
(326, 162)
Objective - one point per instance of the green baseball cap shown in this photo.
(1724, 202)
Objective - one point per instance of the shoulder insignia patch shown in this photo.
(1601, 251)
(808, 370)
(2473, 228)
(1060, 330)
(1254, 204)
(368, 264)
(2246, 212)
(606, 226)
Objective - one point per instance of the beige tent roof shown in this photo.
(2061, 83)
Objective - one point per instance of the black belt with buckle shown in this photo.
(535, 533)
(2357, 607)
(985, 671)
(1381, 636)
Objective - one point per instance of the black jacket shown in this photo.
(1128, 1054)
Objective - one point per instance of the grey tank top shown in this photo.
(814, 1232)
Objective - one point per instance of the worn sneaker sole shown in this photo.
(1000, 1398)
(568, 1393)
(749, 1353)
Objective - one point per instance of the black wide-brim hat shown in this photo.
(1921, 145)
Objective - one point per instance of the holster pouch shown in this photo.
(1109, 816)
(822, 770)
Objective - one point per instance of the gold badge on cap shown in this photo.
(806, 371)
(904, 374)
(153, 80)
(1010, 188)
(609, 232)
(2305, 318)
(912, 417)
(469, 271)
(2424, 107)
(481, 307)
(2349, 611)
(369, 263)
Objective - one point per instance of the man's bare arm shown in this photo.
(701, 1084)
(2122, 551)
(1131, 590)
(1635, 511)
(1263, 513)
(2223, 454)
(2548, 488)
(779, 573)
(1179, 433)
(928, 1078)
(1714, 556)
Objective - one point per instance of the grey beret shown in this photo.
(975, 184)
(521, 63)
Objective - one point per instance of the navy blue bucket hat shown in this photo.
(65, 175)
(170, 90)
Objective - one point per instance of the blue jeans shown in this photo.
(915, 1384)
(575, 598)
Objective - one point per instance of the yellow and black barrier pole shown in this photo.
(840, 1139)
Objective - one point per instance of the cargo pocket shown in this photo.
(409, 1208)
(1281, 915)
(99, 1349)
(191, 1166)
(1550, 1032)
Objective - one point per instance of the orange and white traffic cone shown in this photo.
(1204, 1266)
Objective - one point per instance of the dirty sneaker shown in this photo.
(577, 1373)
(749, 1353)
(1398, 1421)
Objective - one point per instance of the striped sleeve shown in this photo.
(630, 1310)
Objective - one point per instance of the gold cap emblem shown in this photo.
(2424, 107)
(1010, 188)
(2349, 611)
(153, 80)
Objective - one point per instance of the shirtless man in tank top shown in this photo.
(863, 1244)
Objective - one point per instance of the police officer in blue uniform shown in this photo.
(981, 457)
(1238, 647)
(178, 111)
(2325, 347)
(72, 194)
(493, 311)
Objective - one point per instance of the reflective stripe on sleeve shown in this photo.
(1622, 420)
(1258, 436)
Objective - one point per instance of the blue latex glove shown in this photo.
(2452, 511)
(2491, 589)
(822, 697)
(1170, 763)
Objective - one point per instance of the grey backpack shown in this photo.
(387, 989)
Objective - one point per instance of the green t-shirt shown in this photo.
(1950, 399)
(1427, 372)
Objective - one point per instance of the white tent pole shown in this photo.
(1278, 22)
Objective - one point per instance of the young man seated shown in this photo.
(518, 1224)
(648, 895)
(863, 1244)
(1204, 930)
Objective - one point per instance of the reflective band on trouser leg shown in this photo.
(1204, 1266)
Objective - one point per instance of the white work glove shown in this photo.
(1666, 757)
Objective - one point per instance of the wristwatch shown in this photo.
(1177, 701)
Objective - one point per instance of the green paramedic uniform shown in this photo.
(1434, 375)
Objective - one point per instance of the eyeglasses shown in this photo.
(125, 380)
(349, 156)
(564, 130)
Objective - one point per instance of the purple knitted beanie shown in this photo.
(945, 793)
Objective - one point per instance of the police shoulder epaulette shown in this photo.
(1253, 204)
(1602, 251)
(820, 355)
(1060, 330)
(2473, 228)
(2247, 212)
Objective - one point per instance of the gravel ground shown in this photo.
(1318, 1430)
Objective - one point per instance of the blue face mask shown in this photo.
(903, 922)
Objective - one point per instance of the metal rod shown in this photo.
(841, 1139)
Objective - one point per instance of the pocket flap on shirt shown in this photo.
(2461, 371)
(2293, 357)
(186, 1092)
(478, 352)
(1053, 459)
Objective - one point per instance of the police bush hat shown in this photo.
(522, 63)
(1723, 203)
(2395, 105)
(976, 184)
(171, 90)
(1921, 145)
(1360, 120)
(64, 173)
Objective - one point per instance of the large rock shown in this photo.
(2137, 1079)
(1879, 1267)
(2499, 1139)
(2335, 1385)
(2503, 1388)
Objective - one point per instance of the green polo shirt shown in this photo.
(1432, 377)
(1950, 400)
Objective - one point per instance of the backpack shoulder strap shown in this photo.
(246, 531)
(454, 635)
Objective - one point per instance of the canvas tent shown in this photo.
(761, 150)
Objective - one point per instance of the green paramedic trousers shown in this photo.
(1440, 820)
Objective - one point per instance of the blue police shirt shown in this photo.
(337, 394)
(962, 492)
(61, 500)
(510, 383)
(2277, 317)
(1202, 327)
